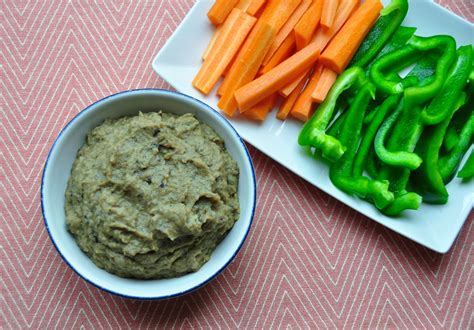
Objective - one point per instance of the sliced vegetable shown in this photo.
(212, 42)
(341, 173)
(305, 28)
(314, 131)
(287, 29)
(321, 90)
(220, 10)
(289, 102)
(388, 23)
(329, 13)
(272, 81)
(443, 102)
(246, 65)
(323, 36)
(428, 179)
(409, 54)
(277, 12)
(286, 50)
(255, 6)
(233, 33)
(260, 110)
(303, 108)
(344, 45)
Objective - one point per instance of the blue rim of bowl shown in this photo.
(165, 91)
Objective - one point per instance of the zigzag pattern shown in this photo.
(309, 261)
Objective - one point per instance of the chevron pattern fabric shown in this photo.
(309, 261)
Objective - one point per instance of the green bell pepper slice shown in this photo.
(443, 102)
(385, 27)
(428, 180)
(407, 55)
(341, 171)
(313, 132)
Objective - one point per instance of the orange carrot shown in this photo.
(251, 7)
(286, 50)
(287, 28)
(212, 42)
(328, 77)
(307, 25)
(343, 46)
(260, 110)
(288, 89)
(346, 8)
(244, 5)
(323, 36)
(277, 12)
(276, 78)
(329, 13)
(220, 10)
(303, 108)
(246, 65)
(233, 33)
(287, 105)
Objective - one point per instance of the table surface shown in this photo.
(315, 264)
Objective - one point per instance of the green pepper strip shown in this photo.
(314, 131)
(389, 21)
(403, 201)
(408, 55)
(341, 171)
(427, 179)
(467, 172)
(398, 40)
(400, 158)
(443, 102)
(388, 105)
(449, 163)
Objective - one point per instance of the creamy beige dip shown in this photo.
(151, 196)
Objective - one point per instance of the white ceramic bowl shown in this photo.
(58, 167)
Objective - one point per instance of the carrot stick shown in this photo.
(244, 5)
(277, 12)
(246, 65)
(323, 36)
(212, 42)
(287, 105)
(327, 79)
(307, 25)
(343, 46)
(303, 107)
(220, 10)
(261, 109)
(286, 50)
(329, 13)
(251, 7)
(288, 89)
(233, 33)
(276, 78)
(287, 28)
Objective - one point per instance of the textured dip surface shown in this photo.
(151, 196)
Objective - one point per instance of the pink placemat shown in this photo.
(309, 261)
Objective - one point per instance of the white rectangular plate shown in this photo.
(435, 227)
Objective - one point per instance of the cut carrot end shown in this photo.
(220, 10)
(305, 28)
(329, 13)
(328, 77)
(260, 111)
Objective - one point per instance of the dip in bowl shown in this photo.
(57, 172)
